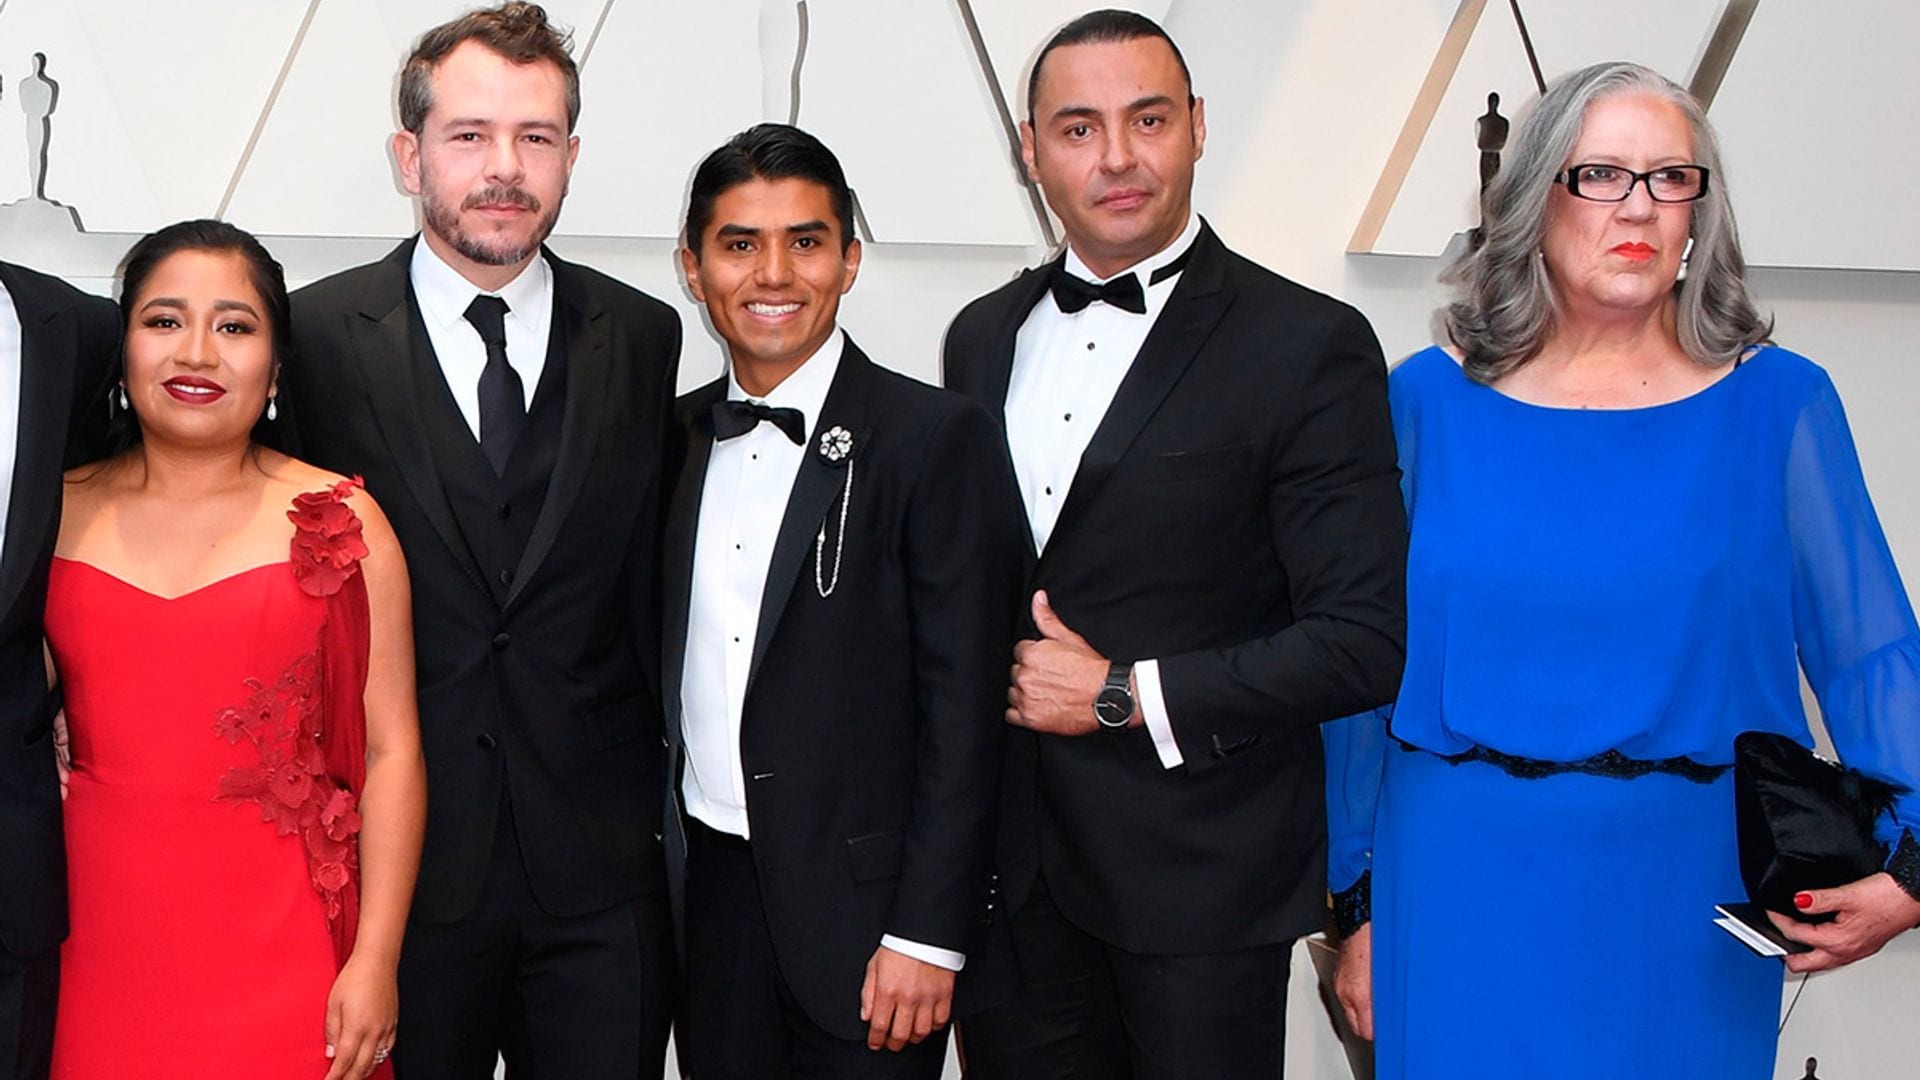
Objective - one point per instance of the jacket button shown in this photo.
(486, 741)
(505, 510)
(501, 641)
(506, 577)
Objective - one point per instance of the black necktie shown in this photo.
(732, 419)
(503, 403)
(1072, 293)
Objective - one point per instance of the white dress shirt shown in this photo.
(444, 295)
(12, 384)
(744, 497)
(1066, 370)
(742, 502)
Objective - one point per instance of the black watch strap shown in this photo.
(1114, 707)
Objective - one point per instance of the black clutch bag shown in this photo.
(1804, 823)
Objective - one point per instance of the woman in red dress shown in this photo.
(232, 631)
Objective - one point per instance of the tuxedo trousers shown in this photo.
(582, 997)
(29, 992)
(743, 1022)
(1089, 1010)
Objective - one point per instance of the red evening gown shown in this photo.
(218, 741)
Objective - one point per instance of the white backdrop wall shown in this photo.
(1305, 100)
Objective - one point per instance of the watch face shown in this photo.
(1113, 708)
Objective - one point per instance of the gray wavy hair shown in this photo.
(1504, 310)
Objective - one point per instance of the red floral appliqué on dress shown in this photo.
(284, 720)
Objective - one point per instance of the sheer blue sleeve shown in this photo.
(1356, 746)
(1853, 623)
(1356, 758)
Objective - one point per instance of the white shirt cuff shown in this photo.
(1153, 712)
(926, 954)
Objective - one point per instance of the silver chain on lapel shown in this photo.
(820, 584)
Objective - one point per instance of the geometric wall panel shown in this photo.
(647, 117)
(155, 101)
(1823, 169)
(1430, 189)
(919, 132)
(322, 166)
(1014, 30)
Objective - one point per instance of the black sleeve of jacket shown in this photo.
(97, 323)
(962, 554)
(1339, 529)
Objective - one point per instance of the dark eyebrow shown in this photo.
(1151, 101)
(737, 230)
(218, 305)
(481, 121)
(813, 226)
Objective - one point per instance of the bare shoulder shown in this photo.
(292, 475)
(292, 478)
(86, 491)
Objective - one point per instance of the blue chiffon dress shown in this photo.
(1598, 602)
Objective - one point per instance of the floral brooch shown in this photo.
(836, 445)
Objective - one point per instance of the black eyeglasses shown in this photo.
(1613, 183)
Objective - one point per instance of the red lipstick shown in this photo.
(194, 390)
(1634, 250)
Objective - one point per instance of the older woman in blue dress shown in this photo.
(1630, 513)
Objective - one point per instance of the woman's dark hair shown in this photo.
(217, 237)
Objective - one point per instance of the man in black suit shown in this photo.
(58, 350)
(509, 410)
(842, 566)
(1210, 487)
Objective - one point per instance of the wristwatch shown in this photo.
(1114, 705)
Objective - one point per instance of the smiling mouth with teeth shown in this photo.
(773, 309)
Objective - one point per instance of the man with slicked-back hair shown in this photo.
(1216, 569)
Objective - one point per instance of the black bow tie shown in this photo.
(1072, 293)
(732, 419)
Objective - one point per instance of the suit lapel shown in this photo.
(589, 367)
(815, 487)
(47, 362)
(383, 339)
(1198, 301)
(676, 551)
(1028, 291)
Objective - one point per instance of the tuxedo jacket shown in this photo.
(69, 355)
(537, 679)
(871, 733)
(1237, 516)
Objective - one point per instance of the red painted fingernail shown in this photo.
(1802, 900)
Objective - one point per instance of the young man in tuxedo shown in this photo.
(1215, 568)
(509, 409)
(59, 350)
(842, 579)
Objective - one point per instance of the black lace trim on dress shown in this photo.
(1611, 764)
(1353, 905)
(1904, 864)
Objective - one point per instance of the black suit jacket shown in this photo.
(1237, 516)
(69, 354)
(551, 694)
(871, 734)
